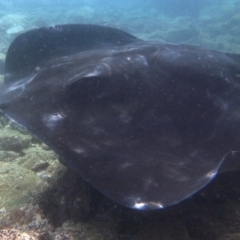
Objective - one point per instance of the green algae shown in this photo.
(17, 186)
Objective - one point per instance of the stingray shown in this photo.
(146, 123)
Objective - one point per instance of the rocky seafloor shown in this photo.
(41, 199)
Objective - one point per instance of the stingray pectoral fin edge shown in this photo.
(148, 124)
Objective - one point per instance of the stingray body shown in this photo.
(147, 124)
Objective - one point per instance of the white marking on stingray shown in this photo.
(150, 182)
(94, 73)
(106, 66)
(79, 150)
(57, 65)
(131, 49)
(126, 165)
(147, 205)
(51, 120)
(37, 68)
(21, 84)
(142, 59)
(91, 72)
(139, 204)
(211, 174)
(168, 54)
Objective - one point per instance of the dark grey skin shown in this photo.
(148, 124)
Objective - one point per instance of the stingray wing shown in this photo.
(147, 124)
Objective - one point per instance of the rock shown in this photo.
(2, 57)
(3, 119)
(27, 222)
(86, 12)
(1, 72)
(17, 185)
(70, 230)
(37, 159)
(44, 175)
(12, 140)
(40, 166)
(165, 230)
(8, 156)
(8, 234)
(15, 30)
(45, 147)
(8, 21)
(2, 61)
